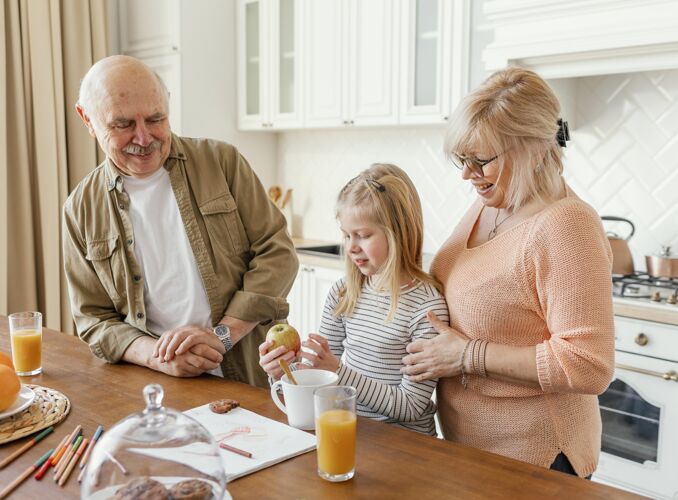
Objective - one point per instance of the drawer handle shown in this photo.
(670, 375)
(641, 339)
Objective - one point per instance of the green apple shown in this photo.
(284, 334)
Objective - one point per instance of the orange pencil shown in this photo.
(71, 439)
(73, 462)
(67, 459)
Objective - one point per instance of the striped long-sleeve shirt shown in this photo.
(372, 350)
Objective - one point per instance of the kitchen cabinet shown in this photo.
(364, 62)
(350, 74)
(269, 64)
(434, 54)
(149, 28)
(307, 297)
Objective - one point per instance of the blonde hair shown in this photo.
(385, 195)
(513, 114)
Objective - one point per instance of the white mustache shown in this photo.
(141, 150)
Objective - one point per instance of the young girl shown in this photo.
(372, 314)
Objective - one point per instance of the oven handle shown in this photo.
(670, 375)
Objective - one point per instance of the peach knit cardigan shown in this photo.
(544, 282)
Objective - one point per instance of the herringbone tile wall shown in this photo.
(623, 160)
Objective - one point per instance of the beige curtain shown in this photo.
(46, 48)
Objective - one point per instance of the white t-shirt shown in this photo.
(174, 294)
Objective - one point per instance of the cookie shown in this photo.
(192, 489)
(223, 405)
(142, 488)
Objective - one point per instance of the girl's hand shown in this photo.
(269, 360)
(435, 358)
(322, 358)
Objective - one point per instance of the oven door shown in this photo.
(639, 412)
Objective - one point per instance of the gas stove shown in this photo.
(643, 289)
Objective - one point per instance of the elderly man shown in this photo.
(175, 257)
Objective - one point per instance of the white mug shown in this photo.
(299, 398)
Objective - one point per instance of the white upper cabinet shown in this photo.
(269, 64)
(325, 76)
(364, 62)
(434, 54)
(350, 62)
(373, 63)
(149, 27)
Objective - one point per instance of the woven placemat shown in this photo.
(48, 408)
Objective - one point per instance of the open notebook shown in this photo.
(268, 441)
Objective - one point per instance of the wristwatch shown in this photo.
(223, 332)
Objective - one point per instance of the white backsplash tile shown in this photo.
(623, 160)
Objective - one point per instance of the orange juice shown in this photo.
(335, 430)
(27, 350)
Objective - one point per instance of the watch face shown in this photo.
(222, 331)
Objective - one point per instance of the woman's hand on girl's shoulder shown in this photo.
(437, 357)
(321, 356)
(269, 361)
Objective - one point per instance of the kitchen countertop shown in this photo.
(649, 312)
(622, 307)
(329, 261)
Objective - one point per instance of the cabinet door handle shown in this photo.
(669, 376)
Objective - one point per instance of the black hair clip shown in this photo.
(563, 134)
(375, 184)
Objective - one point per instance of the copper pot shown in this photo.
(663, 264)
(622, 260)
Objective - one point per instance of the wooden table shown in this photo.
(391, 462)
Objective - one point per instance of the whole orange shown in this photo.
(6, 360)
(9, 387)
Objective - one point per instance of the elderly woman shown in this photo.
(527, 278)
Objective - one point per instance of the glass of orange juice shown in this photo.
(25, 330)
(335, 428)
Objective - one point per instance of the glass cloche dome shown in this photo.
(158, 453)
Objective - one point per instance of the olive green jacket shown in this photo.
(239, 238)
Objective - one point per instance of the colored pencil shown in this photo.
(71, 439)
(26, 446)
(48, 462)
(73, 462)
(235, 450)
(67, 459)
(82, 473)
(8, 489)
(92, 442)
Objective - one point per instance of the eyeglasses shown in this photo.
(475, 165)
